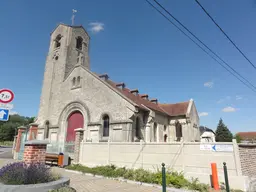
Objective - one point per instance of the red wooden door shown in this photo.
(75, 120)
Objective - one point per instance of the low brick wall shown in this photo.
(247, 154)
(34, 153)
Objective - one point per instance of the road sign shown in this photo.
(4, 114)
(216, 148)
(6, 105)
(222, 148)
(205, 147)
(6, 96)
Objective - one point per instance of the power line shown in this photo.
(204, 44)
(225, 34)
(203, 48)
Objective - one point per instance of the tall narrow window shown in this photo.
(165, 138)
(47, 127)
(105, 126)
(78, 80)
(178, 131)
(137, 128)
(79, 43)
(73, 81)
(155, 132)
(57, 41)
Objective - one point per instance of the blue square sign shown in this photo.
(4, 114)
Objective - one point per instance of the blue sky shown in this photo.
(134, 44)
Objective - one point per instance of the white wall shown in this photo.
(186, 157)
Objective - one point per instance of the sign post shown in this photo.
(6, 96)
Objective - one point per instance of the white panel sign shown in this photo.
(40, 136)
(222, 148)
(6, 105)
(53, 136)
(217, 148)
(94, 136)
(205, 147)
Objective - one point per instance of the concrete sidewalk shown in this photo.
(84, 183)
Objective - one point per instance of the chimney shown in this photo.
(145, 96)
(135, 92)
(104, 76)
(153, 101)
(120, 85)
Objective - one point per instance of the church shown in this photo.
(74, 97)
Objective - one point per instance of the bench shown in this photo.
(51, 157)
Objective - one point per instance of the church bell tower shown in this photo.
(69, 46)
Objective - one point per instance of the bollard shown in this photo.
(163, 178)
(226, 176)
(60, 159)
(215, 181)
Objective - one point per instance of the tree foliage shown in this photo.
(9, 129)
(223, 134)
(238, 138)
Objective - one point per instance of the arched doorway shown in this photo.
(75, 120)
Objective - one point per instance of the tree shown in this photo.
(9, 129)
(238, 138)
(223, 134)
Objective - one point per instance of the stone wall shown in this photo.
(248, 159)
(191, 158)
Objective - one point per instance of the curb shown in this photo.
(169, 189)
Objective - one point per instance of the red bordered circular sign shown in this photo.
(6, 96)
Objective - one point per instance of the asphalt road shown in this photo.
(5, 152)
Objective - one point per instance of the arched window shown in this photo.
(178, 128)
(79, 43)
(57, 41)
(165, 138)
(46, 131)
(155, 132)
(73, 81)
(105, 126)
(78, 80)
(137, 128)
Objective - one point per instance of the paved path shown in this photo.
(5, 152)
(84, 183)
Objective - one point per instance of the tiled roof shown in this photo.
(175, 109)
(247, 135)
(167, 109)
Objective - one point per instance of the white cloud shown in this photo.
(96, 27)
(203, 114)
(229, 109)
(208, 84)
(239, 97)
(13, 112)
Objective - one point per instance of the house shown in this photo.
(206, 134)
(247, 137)
(75, 97)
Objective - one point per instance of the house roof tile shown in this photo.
(167, 109)
(247, 135)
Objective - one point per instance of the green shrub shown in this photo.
(19, 173)
(173, 178)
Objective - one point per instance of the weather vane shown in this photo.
(73, 16)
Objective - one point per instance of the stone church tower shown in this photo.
(68, 49)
